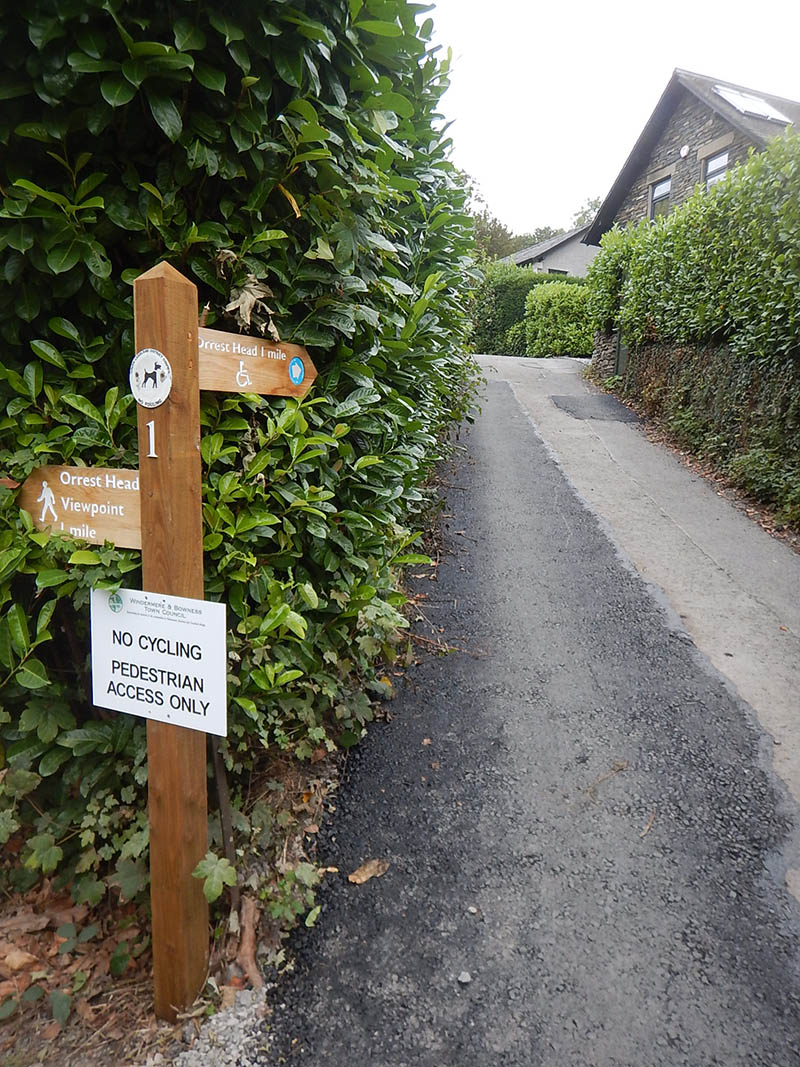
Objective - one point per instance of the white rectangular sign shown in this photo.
(161, 657)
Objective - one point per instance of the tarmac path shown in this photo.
(588, 843)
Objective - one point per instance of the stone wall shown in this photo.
(705, 133)
(604, 355)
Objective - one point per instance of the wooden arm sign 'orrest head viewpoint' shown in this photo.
(233, 363)
(95, 504)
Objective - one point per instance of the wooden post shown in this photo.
(165, 311)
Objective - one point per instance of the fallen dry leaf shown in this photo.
(85, 1010)
(51, 1031)
(311, 828)
(318, 754)
(17, 959)
(370, 869)
(228, 996)
(26, 922)
(427, 741)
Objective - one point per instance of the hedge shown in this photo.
(285, 157)
(499, 303)
(724, 267)
(557, 322)
(708, 299)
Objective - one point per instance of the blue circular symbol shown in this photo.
(296, 370)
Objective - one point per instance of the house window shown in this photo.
(716, 168)
(555, 270)
(659, 197)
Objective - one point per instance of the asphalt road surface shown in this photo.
(588, 844)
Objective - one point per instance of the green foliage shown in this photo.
(288, 146)
(516, 343)
(292, 895)
(500, 303)
(725, 266)
(708, 299)
(557, 322)
(216, 873)
(606, 276)
(742, 414)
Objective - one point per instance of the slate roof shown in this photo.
(759, 130)
(533, 252)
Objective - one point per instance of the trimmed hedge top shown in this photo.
(723, 267)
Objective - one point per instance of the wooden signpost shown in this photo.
(159, 509)
(165, 320)
(165, 310)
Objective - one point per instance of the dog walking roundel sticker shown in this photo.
(150, 377)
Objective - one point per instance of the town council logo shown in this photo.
(115, 603)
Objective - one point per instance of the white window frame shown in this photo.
(657, 198)
(716, 167)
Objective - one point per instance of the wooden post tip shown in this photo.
(166, 271)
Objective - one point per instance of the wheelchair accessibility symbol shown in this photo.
(242, 377)
(296, 370)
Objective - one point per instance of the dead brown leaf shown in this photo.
(228, 998)
(85, 1010)
(25, 923)
(370, 869)
(51, 1031)
(427, 741)
(18, 959)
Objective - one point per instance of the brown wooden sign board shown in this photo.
(95, 504)
(234, 363)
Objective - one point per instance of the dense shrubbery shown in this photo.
(499, 304)
(718, 281)
(557, 322)
(283, 157)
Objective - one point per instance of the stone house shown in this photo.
(565, 253)
(700, 129)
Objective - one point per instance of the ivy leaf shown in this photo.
(18, 782)
(131, 878)
(217, 872)
(60, 1005)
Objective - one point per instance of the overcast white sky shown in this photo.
(549, 96)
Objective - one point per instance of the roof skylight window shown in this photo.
(755, 106)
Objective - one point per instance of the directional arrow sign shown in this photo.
(95, 504)
(233, 363)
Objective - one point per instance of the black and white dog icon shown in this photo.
(151, 376)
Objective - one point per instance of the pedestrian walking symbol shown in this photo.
(46, 499)
(296, 370)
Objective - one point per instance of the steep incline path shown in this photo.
(576, 812)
